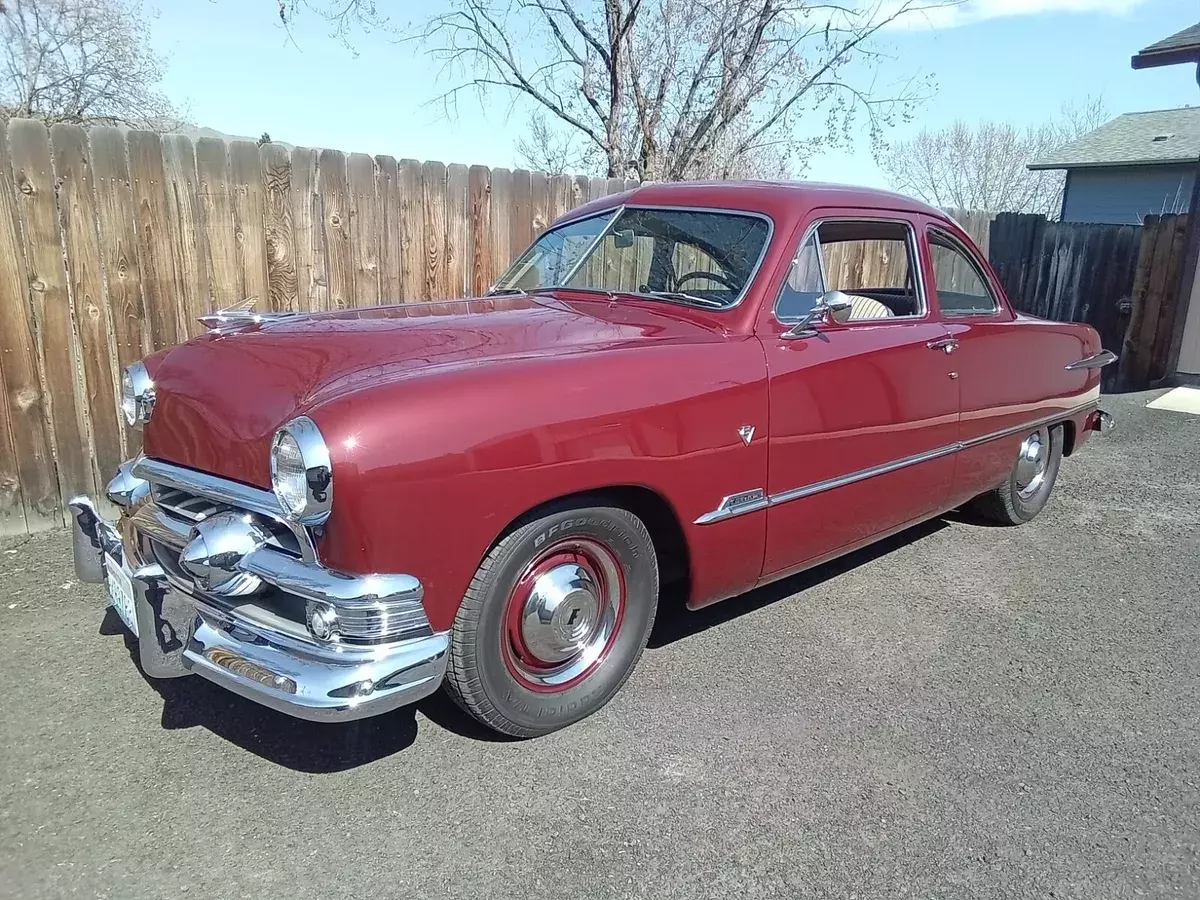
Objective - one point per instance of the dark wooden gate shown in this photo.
(1123, 280)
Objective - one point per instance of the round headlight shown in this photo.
(301, 474)
(137, 395)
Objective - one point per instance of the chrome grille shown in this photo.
(195, 508)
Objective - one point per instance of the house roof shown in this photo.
(1158, 137)
(1182, 47)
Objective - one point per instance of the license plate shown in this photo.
(120, 593)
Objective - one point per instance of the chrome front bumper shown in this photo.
(259, 656)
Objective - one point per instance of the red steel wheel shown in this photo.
(563, 615)
(555, 619)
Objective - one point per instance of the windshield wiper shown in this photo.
(683, 297)
(506, 292)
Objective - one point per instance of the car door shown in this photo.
(997, 377)
(864, 412)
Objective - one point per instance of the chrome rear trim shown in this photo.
(1095, 361)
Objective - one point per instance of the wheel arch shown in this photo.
(655, 510)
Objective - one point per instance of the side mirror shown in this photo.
(623, 238)
(828, 307)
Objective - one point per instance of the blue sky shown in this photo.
(231, 64)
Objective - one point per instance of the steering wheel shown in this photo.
(713, 276)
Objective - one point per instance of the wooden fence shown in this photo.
(1123, 280)
(112, 243)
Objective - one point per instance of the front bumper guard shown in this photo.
(181, 634)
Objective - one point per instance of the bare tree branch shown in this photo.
(984, 167)
(81, 61)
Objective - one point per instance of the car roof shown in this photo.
(767, 197)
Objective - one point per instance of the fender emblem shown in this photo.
(746, 433)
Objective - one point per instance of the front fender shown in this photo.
(430, 470)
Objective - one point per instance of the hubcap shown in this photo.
(1031, 465)
(563, 615)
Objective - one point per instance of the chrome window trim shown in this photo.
(609, 211)
(726, 510)
(223, 490)
(1095, 361)
(914, 251)
(997, 306)
(719, 210)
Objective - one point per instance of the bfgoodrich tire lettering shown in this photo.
(495, 681)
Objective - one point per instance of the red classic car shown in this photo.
(335, 514)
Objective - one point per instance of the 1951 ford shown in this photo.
(335, 514)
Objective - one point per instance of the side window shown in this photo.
(961, 288)
(803, 285)
(871, 261)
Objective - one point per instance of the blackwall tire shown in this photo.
(554, 620)
(1027, 489)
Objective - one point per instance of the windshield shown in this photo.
(705, 257)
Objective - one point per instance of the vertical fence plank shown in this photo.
(390, 265)
(185, 229)
(539, 202)
(25, 416)
(500, 192)
(335, 206)
(247, 202)
(312, 282)
(156, 255)
(81, 243)
(433, 184)
(458, 232)
(480, 202)
(278, 232)
(216, 208)
(521, 216)
(1172, 304)
(58, 343)
(364, 229)
(412, 231)
(120, 262)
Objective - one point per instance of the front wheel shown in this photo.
(554, 620)
(1029, 483)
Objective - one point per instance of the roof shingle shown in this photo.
(1181, 47)
(1158, 137)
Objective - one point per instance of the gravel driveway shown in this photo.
(961, 712)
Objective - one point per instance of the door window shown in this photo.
(874, 262)
(961, 288)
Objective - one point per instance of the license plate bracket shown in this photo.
(120, 593)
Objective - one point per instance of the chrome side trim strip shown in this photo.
(736, 505)
(830, 483)
(733, 505)
(1095, 361)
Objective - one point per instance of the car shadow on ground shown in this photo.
(317, 747)
(676, 622)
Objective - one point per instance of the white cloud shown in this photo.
(982, 10)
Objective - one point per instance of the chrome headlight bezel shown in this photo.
(316, 499)
(137, 395)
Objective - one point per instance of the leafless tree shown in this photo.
(984, 166)
(81, 61)
(674, 89)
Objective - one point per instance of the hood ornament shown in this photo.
(746, 433)
(242, 313)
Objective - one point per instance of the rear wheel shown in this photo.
(554, 620)
(1029, 483)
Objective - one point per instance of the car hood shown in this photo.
(220, 398)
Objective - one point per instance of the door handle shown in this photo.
(946, 344)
